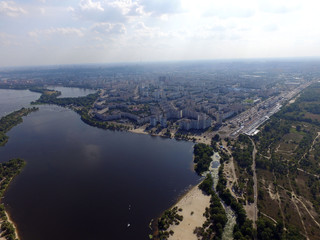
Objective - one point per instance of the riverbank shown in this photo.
(12, 119)
(194, 201)
(140, 130)
(84, 107)
(193, 205)
(8, 170)
(14, 227)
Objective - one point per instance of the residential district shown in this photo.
(170, 98)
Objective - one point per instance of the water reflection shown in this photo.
(80, 180)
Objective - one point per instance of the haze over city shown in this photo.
(159, 119)
(45, 32)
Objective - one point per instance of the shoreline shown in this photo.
(197, 138)
(193, 204)
(9, 172)
(13, 224)
(139, 131)
(192, 193)
(9, 169)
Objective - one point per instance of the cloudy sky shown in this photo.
(45, 32)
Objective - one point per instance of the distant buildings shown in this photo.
(189, 113)
(174, 114)
(122, 115)
(202, 122)
(190, 100)
(155, 120)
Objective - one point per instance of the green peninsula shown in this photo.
(9, 121)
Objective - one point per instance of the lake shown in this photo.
(82, 182)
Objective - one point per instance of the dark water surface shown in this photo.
(12, 100)
(86, 183)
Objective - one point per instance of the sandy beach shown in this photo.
(138, 130)
(15, 228)
(194, 201)
(10, 221)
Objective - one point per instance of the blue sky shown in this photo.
(45, 32)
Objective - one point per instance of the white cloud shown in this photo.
(140, 25)
(42, 11)
(99, 39)
(218, 28)
(60, 31)
(279, 6)
(89, 5)
(65, 31)
(105, 11)
(33, 34)
(6, 39)
(158, 29)
(9, 8)
(135, 9)
(270, 27)
(70, 9)
(155, 37)
(109, 28)
(141, 30)
(157, 7)
(230, 11)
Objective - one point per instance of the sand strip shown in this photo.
(194, 201)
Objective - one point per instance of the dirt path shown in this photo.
(307, 210)
(310, 149)
(230, 172)
(231, 164)
(272, 219)
(233, 171)
(295, 204)
(255, 185)
(314, 141)
(315, 175)
(299, 213)
(279, 200)
(277, 148)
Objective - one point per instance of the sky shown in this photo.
(50, 32)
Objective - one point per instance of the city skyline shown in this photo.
(49, 32)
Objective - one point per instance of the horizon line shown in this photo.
(305, 58)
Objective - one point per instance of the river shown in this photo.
(11, 100)
(71, 92)
(82, 182)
